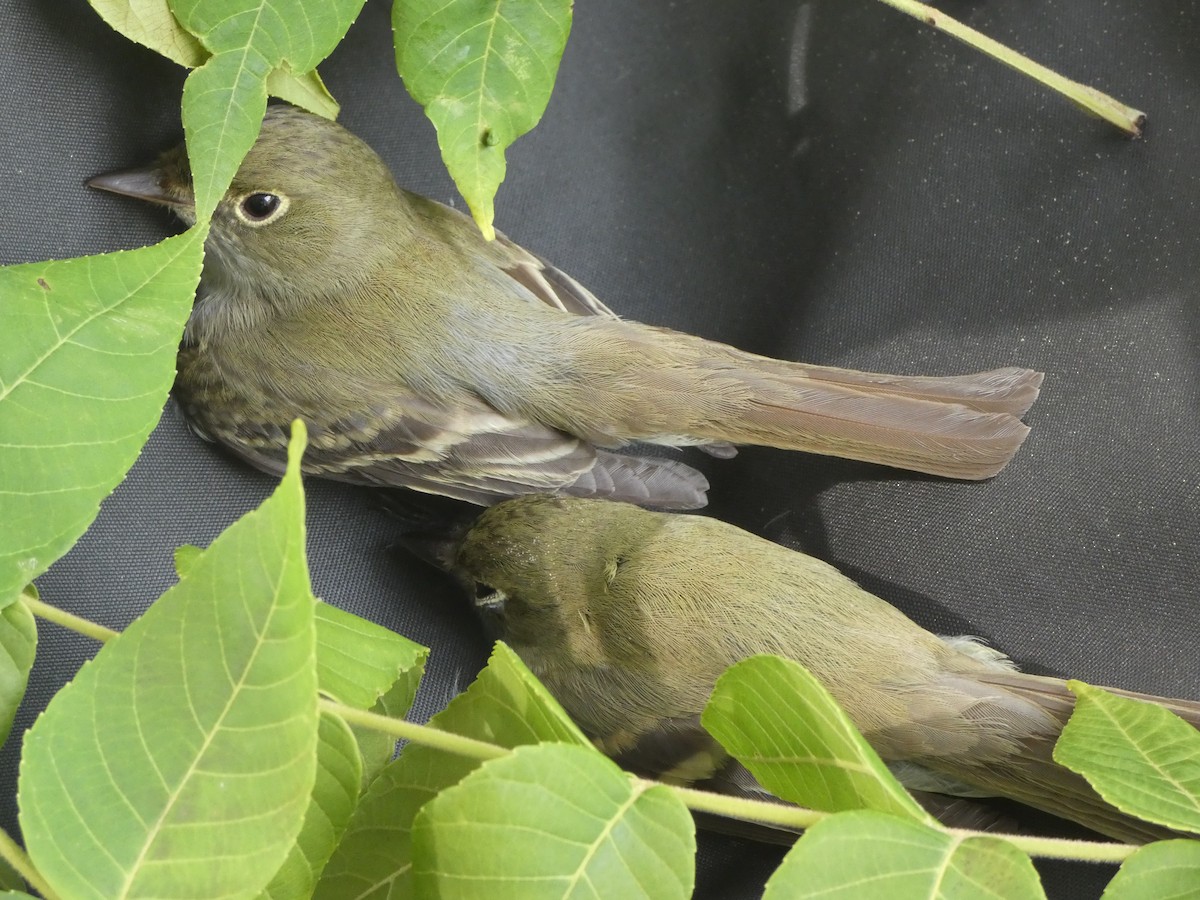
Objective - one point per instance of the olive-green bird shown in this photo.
(629, 616)
(421, 355)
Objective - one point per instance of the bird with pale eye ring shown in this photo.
(421, 355)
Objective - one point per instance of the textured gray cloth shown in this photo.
(824, 181)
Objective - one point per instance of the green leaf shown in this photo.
(866, 854)
(775, 718)
(339, 771)
(483, 70)
(186, 556)
(358, 661)
(1138, 756)
(376, 747)
(366, 666)
(18, 646)
(223, 106)
(180, 761)
(87, 356)
(1166, 870)
(553, 821)
(224, 99)
(152, 24)
(306, 90)
(505, 705)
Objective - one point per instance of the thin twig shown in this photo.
(1096, 102)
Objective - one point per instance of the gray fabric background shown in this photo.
(825, 181)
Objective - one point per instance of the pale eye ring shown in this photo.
(261, 207)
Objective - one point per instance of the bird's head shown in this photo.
(306, 212)
(539, 570)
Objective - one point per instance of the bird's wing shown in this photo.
(470, 452)
(533, 277)
(536, 277)
(548, 283)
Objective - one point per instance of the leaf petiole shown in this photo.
(16, 857)
(68, 620)
(411, 731)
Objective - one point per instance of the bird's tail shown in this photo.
(1035, 779)
(671, 388)
(1053, 695)
(966, 426)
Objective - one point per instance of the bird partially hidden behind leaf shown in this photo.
(422, 356)
(629, 616)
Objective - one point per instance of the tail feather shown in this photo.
(1009, 390)
(1053, 695)
(939, 438)
(679, 390)
(1033, 777)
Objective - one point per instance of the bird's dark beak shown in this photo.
(439, 550)
(146, 183)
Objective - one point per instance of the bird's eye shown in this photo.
(261, 207)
